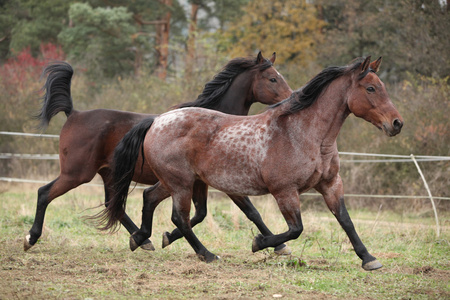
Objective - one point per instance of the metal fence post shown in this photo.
(429, 194)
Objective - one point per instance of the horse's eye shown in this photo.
(273, 80)
(370, 89)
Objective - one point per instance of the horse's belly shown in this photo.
(236, 184)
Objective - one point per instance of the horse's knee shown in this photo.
(150, 189)
(150, 199)
(253, 216)
(200, 214)
(176, 219)
(154, 195)
(295, 231)
(147, 194)
(43, 195)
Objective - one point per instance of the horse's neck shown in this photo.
(238, 98)
(325, 117)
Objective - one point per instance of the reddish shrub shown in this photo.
(15, 72)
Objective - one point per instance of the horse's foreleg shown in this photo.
(152, 197)
(289, 205)
(199, 198)
(125, 220)
(253, 215)
(333, 193)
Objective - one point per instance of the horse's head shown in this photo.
(369, 100)
(269, 86)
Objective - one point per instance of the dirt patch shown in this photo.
(425, 270)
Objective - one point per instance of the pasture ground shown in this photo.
(73, 260)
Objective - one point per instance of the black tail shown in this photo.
(57, 92)
(125, 157)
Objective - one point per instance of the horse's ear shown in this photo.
(375, 65)
(274, 56)
(259, 58)
(365, 65)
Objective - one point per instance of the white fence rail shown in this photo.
(392, 158)
(29, 134)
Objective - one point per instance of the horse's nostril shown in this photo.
(397, 124)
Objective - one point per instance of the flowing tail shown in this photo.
(57, 96)
(126, 155)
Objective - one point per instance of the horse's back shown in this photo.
(89, 137)
(97, 126)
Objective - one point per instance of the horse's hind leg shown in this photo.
(125, 221)
(46, 194)
(199, 197)
(152, 197)
(180, 217)
(253, 215)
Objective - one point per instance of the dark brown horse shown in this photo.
(88, 138)
(284, 151)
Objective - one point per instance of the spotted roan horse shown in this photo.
(285, 151)
(88, 138)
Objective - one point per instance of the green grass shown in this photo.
(74, 260)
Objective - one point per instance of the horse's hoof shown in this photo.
(26, 243)
(133, 244)
(216, 257)
(209, 257)
(372, 265)
(148, 246)
(255, 246)
(283, 251)
(165, 241)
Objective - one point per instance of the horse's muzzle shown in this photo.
(394, 128)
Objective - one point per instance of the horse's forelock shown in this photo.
(355, 64)
(265, 65)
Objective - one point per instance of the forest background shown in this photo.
(147, 56)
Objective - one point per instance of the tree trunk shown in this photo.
(162, 42)
(190, 55)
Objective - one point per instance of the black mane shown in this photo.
(215, 89)
(308, 94)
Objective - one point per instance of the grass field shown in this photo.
(73, 260)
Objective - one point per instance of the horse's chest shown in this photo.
(314, 169)
(327, 167)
